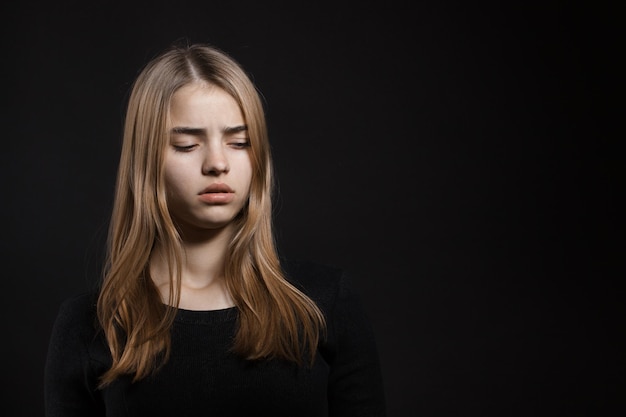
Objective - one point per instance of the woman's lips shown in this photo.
(217, 193)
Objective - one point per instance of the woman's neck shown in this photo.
(202, 281)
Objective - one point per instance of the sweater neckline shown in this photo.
(206, 316)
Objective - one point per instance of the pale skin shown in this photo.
(208, 172)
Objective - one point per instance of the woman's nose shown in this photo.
(215, 161)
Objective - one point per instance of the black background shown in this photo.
(459, 159)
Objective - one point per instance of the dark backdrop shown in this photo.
(457, 158)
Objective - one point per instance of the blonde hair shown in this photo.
(275, 318)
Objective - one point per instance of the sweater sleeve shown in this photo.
(355, 380)
(69, 382)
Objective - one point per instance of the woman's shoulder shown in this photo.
(79, 312)
(76, 346)
(82, 301)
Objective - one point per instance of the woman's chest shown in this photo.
(204, 378)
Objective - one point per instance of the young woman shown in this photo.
(196, 314)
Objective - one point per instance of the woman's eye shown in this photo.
(183, 148)
(241, 144)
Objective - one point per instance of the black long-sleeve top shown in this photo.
(204, 378)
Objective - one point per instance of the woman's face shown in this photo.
(207, 164)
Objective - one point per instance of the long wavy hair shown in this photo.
(276, 320)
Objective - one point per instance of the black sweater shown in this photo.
(204, 378)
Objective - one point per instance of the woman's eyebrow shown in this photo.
(235, 129)
(198, 131)
(194, 131)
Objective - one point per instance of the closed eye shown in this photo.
(240, 144)
(184, 148)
